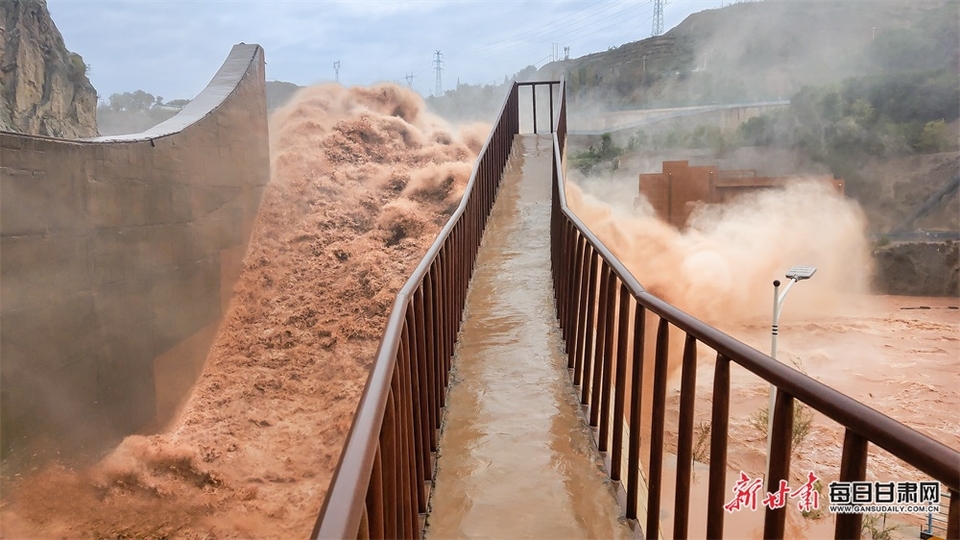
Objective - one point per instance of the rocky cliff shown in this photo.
(918, 269)
(44, 88)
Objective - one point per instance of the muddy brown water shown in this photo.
(516, 459)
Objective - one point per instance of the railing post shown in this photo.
(533, 92)
(374, 501)
(582, 376)
(718, 447)
(656, 430)
(552, 127)
(620, 384)
(853, 468)
(420, 449)
(598, 350)
(636, 395)
(688, 390)
(388, 455)
(953, 515)
(574, 315)
(608, 359)
(774, 518)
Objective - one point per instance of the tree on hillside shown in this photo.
(135, 101)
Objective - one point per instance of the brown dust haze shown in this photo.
(721, 267)
(362, 180)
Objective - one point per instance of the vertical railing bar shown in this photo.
(441, 322)
(853, 468)
(462, 281)
(718, 447)
(568, 265)
(426, 394)
(607, 383)
(450, 276)
(655, 479)
(374, 500)
(575, 292)
(559, 285)
(636, 392)
(363, 532)
(416, 482)
(620, 385)
(953, 515)
(552, 127)
(421, 458)
(433, 373)
(388, 446)
(774, 518)
(404, 499)
(583, 327)
(533, 92)
(434, 318)
(688, 389)
(601, 336)
(590, 327)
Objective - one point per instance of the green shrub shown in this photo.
(802, 422)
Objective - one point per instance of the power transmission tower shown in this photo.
(409, 77)
(438, 66)
(336, 71)
(658, 17)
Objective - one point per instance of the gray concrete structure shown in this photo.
(622, 124)
(117, 258)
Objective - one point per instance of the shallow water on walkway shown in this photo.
(516, 459)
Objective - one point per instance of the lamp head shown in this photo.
(801, 272)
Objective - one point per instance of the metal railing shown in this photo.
(382, 482)
(595, 296)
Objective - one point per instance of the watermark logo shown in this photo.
(842, 497)
(747, 495)
(884, 497)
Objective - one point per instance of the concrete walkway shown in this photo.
(516, 458)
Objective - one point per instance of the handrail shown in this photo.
(576, 252)
(353, 495)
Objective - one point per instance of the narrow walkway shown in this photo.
(516, 459)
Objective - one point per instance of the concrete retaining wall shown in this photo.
(117, 258)
(623, 124)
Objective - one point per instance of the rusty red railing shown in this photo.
(382, 482)
(595, 296)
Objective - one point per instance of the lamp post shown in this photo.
(795, 274)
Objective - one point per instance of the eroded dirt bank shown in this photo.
(362, 180)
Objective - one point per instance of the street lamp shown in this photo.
(795, 274)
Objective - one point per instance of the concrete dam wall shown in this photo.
(117, 260)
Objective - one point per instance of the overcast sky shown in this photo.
(173, 48)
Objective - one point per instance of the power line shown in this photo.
(536, 32)
(608, 16)
(551, 29)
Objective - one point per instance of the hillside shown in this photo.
(762, 51)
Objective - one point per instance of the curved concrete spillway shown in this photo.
(118, 256)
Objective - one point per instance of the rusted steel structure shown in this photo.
(382, 483)
(672, 191)
(595, 297)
